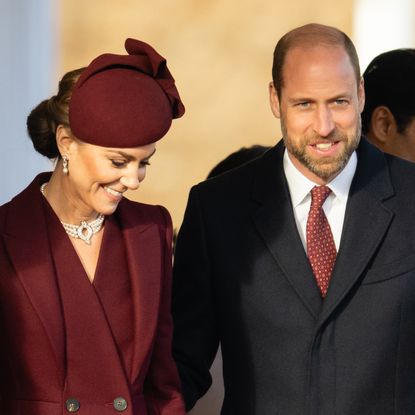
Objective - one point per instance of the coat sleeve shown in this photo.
(196, 337)
(162, 384)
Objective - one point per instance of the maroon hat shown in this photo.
(124, 100)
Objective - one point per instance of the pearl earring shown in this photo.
(65, 165)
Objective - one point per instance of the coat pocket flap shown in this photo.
(390, 270)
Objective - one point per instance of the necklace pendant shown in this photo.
(85, 232)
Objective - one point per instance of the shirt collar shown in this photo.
(300, 186)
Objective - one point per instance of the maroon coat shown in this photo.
(34, 362)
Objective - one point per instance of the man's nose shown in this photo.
(324, 123)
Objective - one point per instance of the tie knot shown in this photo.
(319, 195)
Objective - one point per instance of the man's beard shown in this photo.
(325, 168)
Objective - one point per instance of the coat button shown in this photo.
(72, 405)
(120, 404)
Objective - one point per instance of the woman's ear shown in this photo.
(64, 140)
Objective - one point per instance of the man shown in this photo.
(388, 119)
(314, 306)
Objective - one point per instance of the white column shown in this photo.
(382, 25)
(27, 75)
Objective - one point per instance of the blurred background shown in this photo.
(220, 53)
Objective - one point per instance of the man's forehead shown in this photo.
(307, 57)
(310, 48)
(318, 72)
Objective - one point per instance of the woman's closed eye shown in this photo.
(119, 163)
(144, 163)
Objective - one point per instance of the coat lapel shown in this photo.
(366, 222)
(275, 221)
(29, 250)
(145, 262)
(89, 340)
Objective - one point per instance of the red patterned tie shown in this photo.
(321, 250)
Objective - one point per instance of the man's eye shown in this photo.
(303, 104)
(341, 101)
(118, 163)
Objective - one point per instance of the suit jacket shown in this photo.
(33, 364)
(242, 278)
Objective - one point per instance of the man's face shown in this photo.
(408, 138)
(319, 109)
(383, 133)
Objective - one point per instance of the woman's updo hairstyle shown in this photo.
(44, 119)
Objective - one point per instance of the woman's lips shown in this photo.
(114, 194)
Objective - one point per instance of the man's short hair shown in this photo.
(390, 82)
(308, 36)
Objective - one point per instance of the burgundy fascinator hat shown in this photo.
(125, 100)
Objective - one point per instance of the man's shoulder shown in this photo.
(241, 177)
(383, 174)
(402, 171)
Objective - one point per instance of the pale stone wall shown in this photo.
(219, 51)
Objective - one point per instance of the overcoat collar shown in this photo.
(366, 221)
(27, 242)
(29, 250)
(144, 244)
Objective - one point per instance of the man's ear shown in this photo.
(273, 100)
(64, 140)
(361, 94)
(383, 127)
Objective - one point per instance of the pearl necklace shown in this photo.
(85, 230)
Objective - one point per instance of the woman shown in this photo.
(85, 320)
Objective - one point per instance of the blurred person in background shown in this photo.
(85, 274)
(388, 119)
(238, 158)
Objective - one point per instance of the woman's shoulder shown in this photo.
(28, 193)
(25, 204)
(3, 212)
(138, 212)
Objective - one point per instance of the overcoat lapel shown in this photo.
(366, 221)
(91, 351)
(365, 224)
(275, 221)
(29, 250)
(145, 261)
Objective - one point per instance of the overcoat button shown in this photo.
(72, 405)
(120, 404)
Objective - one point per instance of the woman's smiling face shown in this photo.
(98, 176)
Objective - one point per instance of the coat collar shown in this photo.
(144, 243)
(366, 221)
(275, 221)
(26, 242)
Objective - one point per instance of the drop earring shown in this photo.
(65, 165)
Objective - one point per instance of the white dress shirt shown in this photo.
(335, 205)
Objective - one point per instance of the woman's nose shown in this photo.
(130, 181)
